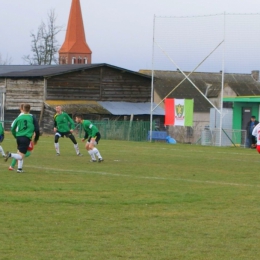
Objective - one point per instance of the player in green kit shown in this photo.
(2, 136)
(23, 129)
(30, 148)
(93, 136)
(64, 126)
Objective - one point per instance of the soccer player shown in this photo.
(93, 136)
(30, 148)
(64, 126)
(23, 129)
(256, 133)
(2, 136)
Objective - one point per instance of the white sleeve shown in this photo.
(255, 130)
(13, 123)
(15, 119)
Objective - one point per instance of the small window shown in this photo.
(62, 60)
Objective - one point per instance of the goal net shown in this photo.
(229, 137)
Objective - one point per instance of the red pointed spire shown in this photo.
(75, 49)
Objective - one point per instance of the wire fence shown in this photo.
(230, 137)
(121, 130)
(139, 131)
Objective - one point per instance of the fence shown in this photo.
(121, 130)
(230, 137)
(2, 98)
(138, 131)
(115, 130)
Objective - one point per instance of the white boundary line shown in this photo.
(144, 177)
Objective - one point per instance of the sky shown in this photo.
(120, 32)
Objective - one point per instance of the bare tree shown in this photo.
(6, 61)
(44, 44)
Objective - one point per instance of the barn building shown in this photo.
(96, 90)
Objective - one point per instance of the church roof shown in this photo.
(75, 40)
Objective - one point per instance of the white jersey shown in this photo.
(256, 133)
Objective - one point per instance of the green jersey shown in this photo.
(63, 122)
(1, 129)
(90, 129)
(23, 126)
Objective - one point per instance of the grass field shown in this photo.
(146, 201)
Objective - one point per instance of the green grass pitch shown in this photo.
(145, 201)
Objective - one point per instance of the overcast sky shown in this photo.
(119, 32)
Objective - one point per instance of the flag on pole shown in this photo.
(179, 112)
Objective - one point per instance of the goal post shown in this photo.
(218, 43)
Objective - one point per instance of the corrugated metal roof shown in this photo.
(128, 108)
(105, 107)
(27, 71)
(19, 68)
(45, 71)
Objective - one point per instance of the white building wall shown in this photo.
(227, 118)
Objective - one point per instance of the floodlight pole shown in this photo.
(222, 82)
(152, 85)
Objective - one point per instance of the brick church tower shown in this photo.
(75, 49)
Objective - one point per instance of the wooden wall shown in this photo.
(47, 122)
(24, 91)
(2, 82)
(100, 84)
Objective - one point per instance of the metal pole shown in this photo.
(187, 76)
(222, 82)
(152, 86)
